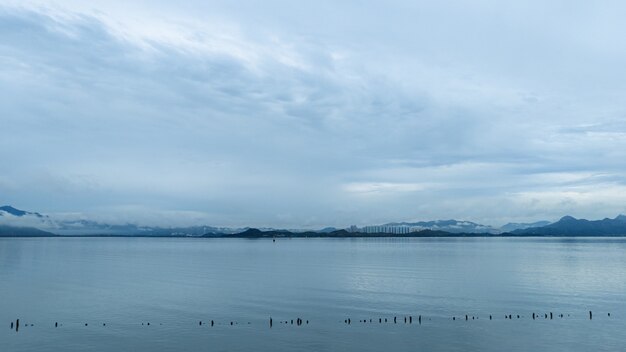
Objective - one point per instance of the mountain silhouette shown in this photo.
(570, 226)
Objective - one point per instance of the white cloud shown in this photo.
(300, 116)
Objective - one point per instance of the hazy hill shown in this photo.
(454, 226)
(570, 226)
(512, 226)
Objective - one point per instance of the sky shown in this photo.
(306, 114)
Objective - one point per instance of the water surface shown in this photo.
(175, 283)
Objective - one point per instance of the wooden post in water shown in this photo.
(590, 315)
(271, 322)
(550, 315)
(410, 319)
(17, 325)
(211, 322)
(465, 316)
(533, 316)
(489, 316)
(200, 323)
(11, 325)
(419, 319)
(395, 321)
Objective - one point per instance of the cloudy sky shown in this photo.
(307, 114)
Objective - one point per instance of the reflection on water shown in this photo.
(175, 283)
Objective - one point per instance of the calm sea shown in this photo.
(173, 284)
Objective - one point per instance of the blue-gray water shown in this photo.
(175, 283)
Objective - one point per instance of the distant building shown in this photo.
(353, 229)
(395, 230)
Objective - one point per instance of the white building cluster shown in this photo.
(396, 230)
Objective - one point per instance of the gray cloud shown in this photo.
(311, 115)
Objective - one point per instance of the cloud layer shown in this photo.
(319, 114)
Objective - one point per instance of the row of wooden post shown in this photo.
(348, 321)
(380, 320)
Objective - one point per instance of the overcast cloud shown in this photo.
(307, 114)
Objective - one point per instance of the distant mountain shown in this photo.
(11, 216)
(512, 226)
(7, 209)
(453, 226)
(87, 227)
(256, 233)
(16, 222)
(570, 226)
(14, 231)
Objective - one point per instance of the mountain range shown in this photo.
(570, 226)
(16, 222)
(452, 226)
